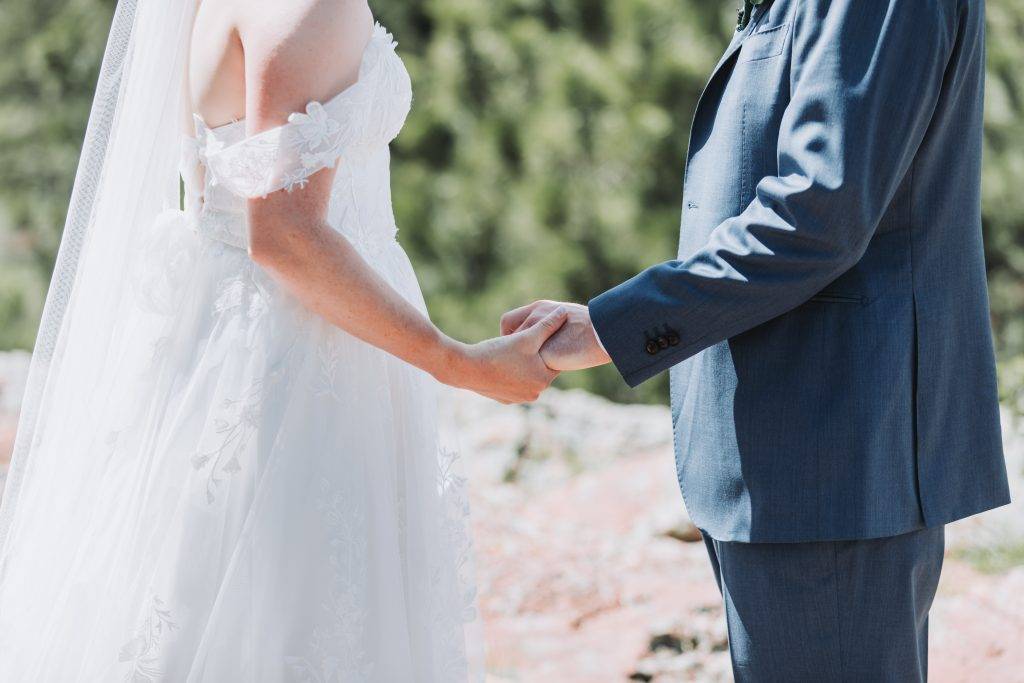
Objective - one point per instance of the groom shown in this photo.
(826, 326)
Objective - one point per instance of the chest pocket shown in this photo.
(764, 44)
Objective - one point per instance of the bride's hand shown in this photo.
(575, 346)
(508, 369)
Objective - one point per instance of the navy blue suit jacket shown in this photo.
(826, 320)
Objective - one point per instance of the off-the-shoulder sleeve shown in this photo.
(368, 113)
(286, 156)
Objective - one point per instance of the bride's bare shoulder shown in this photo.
(299, 50)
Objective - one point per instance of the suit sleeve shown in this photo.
(866, 77)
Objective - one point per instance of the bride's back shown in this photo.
(242, 48)
(217, 63)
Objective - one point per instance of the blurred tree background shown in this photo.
(543, 157)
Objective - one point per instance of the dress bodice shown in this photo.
(222, 167)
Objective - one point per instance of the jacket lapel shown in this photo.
(737, 41)
(720, 71)
(734, 46)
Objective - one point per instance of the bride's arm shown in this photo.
(297, 52)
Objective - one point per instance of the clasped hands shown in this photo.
(573, 346)
(537, 342)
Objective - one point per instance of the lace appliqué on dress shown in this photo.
(343, 628)
(141, 653)
(448, 622)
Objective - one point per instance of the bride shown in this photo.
(228, 466)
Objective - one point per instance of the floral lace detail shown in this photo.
(141, 652)
(343, 629)
(449, 632)
(241, 298)
(325, 382)
(318, 141)
(234, 433)
(452, 489)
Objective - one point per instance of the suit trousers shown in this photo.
(829, 610)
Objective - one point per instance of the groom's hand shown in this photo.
(574, 347)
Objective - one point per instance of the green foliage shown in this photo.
(1002, 195)
(52, 51)
(543, 157)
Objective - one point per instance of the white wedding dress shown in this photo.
(274, 501)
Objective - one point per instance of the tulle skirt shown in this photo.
(249, 494)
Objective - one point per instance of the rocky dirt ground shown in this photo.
(590, 570)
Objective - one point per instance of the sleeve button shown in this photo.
(652, 347)
(673, 340)
(663, 342)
